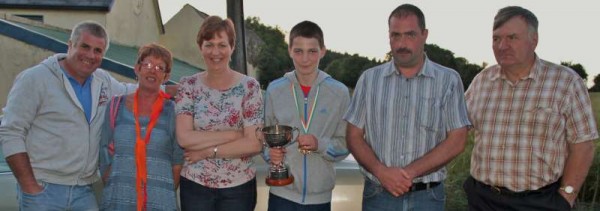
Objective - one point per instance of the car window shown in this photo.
(3, 165)
(350, 158)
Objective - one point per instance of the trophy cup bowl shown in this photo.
(278, 136)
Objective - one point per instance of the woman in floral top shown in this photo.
(218, 111)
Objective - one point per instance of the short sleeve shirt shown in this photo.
(404, 118)
(218, 110)
(522, 129)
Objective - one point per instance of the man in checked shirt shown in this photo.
(533, 123)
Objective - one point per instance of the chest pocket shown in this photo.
(429, 113)
(541, 122)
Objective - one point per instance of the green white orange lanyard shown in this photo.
(308, 112)
(308, 117)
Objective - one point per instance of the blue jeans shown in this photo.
(376, 198)
(194, 197)
(277, 203)
(58, 197)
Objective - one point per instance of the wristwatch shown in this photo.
(568, 189)
(217, 149)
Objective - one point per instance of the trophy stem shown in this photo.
(278, 137)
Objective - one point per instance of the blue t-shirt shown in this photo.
(84, 93)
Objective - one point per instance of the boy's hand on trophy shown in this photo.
(276, 155)
(307, 143)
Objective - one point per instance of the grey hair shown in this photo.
(509, 12)
(91, 27)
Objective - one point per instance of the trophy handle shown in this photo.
(259, 130)
(297, 134)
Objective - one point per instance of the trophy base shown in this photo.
(279, 181)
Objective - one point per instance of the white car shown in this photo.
(8, 195)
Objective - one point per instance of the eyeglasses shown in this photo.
(149, 66)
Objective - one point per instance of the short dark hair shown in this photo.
(158, 51)
(406, 10)
(509, 12)
(212, 26)
(307, 29)
(91, 27)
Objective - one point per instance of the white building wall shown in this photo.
(16, 56)
(180, 36)
(133, 22)
(59, 18)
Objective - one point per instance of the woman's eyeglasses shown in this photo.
(149, 66)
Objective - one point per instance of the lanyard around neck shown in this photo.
(140, 145)
(306, 117)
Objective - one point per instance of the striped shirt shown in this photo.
(522, 129)
(404, 118)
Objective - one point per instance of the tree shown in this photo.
(578, 68)
(466, 70)
(596, 87)
(349, 68)
(441, 56)
(329, 57)
(272, 60)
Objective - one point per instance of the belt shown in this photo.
(422, 186)
(507, 192)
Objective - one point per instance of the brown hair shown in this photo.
(158, 51)
(212, 26)
(406, 10)
(307, 29)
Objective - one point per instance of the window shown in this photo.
(39, 18)
(3, 165)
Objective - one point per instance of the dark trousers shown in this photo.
(277, 203)
(198, 197)
(485, 198)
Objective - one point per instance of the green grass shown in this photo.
(458, 171)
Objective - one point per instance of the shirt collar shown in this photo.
(533, 74)
(72, 79)
(425, 70)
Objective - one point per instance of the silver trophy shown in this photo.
(278, 136)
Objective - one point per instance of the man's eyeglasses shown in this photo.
(149, 66)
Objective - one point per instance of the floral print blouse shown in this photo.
(218, 110)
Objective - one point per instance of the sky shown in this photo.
(567, 31)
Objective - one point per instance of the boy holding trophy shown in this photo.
(311, 100)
